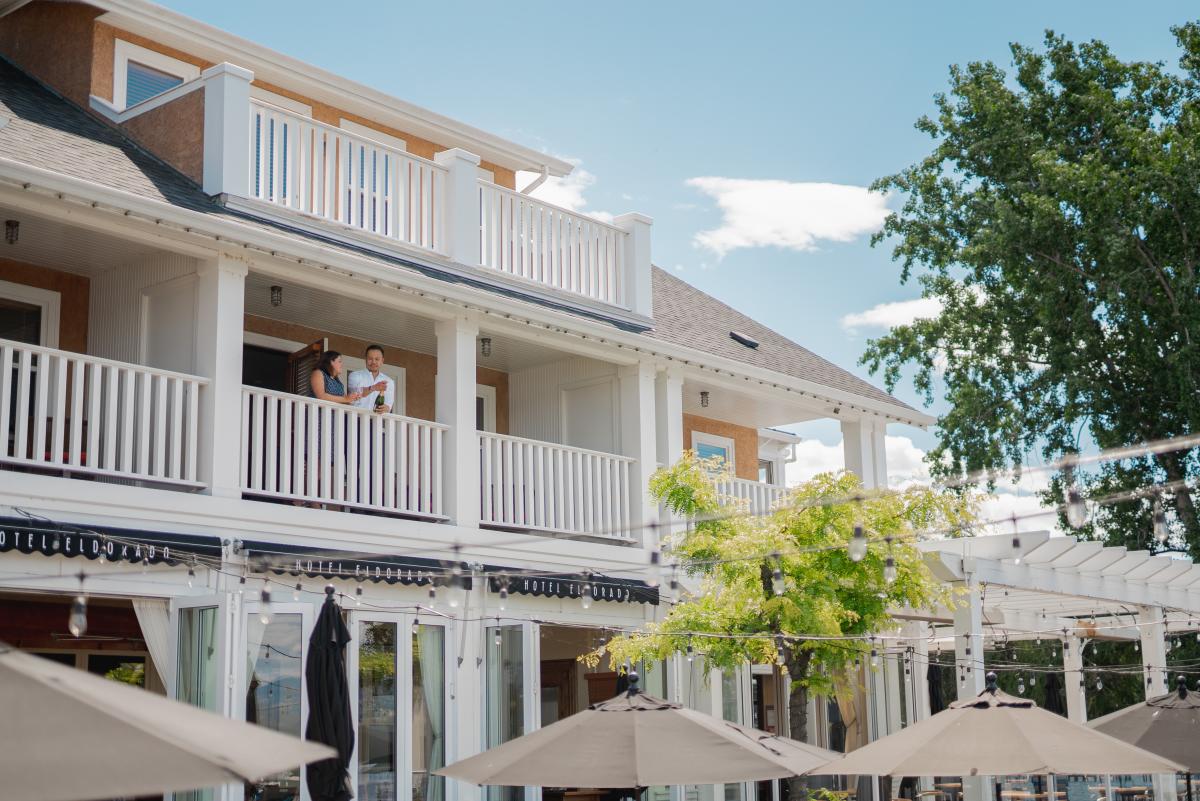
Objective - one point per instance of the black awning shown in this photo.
(51, 538)
(570, 585)
(301, 560)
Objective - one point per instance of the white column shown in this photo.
(863, 448)
(226, 168)
(919, 631)
(461, 222)
(465, 695)
(668, 423)
(1072, 656)
(968, 653)
(638, 441)
(220, 318)
(455, 402)
(1153, 632)
(636, 275)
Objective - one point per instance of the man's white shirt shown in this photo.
(361, 379)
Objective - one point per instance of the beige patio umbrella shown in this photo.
(637, 740)
(70, 736)
(996, 734)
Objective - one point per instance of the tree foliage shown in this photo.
(1057, 222)
(734, 615)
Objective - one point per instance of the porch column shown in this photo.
(1073, 679)
(1153, 631)
(863, 448)
(918, 666)
(639, 442)
(226, 169)
(462, 206)
(220, 313)
(668, 423)
(968, 660)
(466, 695)
(455, 404)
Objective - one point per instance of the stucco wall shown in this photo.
(745, 441)
(73, 299)
(420, 369)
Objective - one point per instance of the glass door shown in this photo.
(511, 694)
(201, 631)
(397, 665)
(272, 673)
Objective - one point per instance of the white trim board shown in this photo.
(49, 301)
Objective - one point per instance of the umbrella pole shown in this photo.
(1189, 784)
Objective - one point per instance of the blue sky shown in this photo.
(650, 96)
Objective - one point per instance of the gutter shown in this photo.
(224, 231)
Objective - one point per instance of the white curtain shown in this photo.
(154, 618)
(433, 675)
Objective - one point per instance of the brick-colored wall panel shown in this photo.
(53, 43)
(175, 133)
(73, 303)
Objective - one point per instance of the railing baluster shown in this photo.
(77, 393)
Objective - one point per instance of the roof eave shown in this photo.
(184, 33)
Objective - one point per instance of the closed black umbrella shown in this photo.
(933, 675)
(329, 719)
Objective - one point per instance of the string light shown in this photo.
(103, 557)
(691, 654)
(1016, 543)
(1077, 514)
(296, 591)
(889, 563)
(585, 591)
(1020, 685)
(191, 579)
(242, 584)
(1160, 522)
(264, 609)
(77, 622)
(857, 550)
(358, 595)
(416, 624)
(499, 638)
(503, 594)
(1099, 684)
(777, 584)
(654, 571)
(432, 594)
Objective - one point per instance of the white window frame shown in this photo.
(49, 301)
(124, 52)
(704, 438)
(404, 697)
(395, 372)
(488, 393)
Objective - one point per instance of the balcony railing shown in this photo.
(528, 484)
(340, 177)
(549, 245)
(85, 415)
(312, 451)
(757, 497)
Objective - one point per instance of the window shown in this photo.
(29, 314)
(140, 74)
(766, 471)
(485, 408)
(274, 688)
(711, 446)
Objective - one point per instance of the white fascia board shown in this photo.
(630, 346)
(205, 41)
(779, 436)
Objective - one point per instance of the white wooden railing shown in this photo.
(325, 171)
(86, 415)
(306, 450)
(525, 483)
(759, 498)
(550, 245)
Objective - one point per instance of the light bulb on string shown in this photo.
(777, 583)
(452, 598)
(1099, 684)
(264, 609)
(145, 565)
(102, 557)
(1020, 685)
(242, 584)
(77, 621)
(654, 572)
(296, 591)
(191, 578)
(857, 549)
(416, 624)
(691, 653)
(432, 594)
(499, 638)
(1016, 544)
(585, 591)
(889, 569)
(1032, 679)
(358, 595)
(1077, 513)
(503, 594)
(781, 649)
(1161, 532)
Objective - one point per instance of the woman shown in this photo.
(326, 380)
(326, 384)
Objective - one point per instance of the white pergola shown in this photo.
(1044, 586)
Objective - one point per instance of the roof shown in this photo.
(42, 129)
(684, 315)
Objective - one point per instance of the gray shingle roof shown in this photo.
(44, 130)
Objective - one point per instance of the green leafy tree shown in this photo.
(736, 615)
(1057, 222)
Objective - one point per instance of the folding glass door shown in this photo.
(511, 695)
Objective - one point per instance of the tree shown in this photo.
(1057, 222)
(737, 616)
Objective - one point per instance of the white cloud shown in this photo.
(567, 191)
(791, 215)
(890, 315)
(904, 460)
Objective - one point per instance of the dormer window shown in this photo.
(140, 74)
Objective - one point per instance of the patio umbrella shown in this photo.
(1167, 725)
(637, 740)
(69, 736)
(329, 719)
(996, 734)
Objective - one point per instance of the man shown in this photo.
(371, 382)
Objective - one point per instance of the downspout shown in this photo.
(541, 179)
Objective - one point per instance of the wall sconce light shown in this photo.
(485, 346)
(704, 398)
(276, 295)
(12, 229)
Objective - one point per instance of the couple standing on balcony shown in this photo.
(369, 388)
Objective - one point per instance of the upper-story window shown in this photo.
(140, 74)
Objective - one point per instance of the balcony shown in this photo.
(756, 497)
(80, 415)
